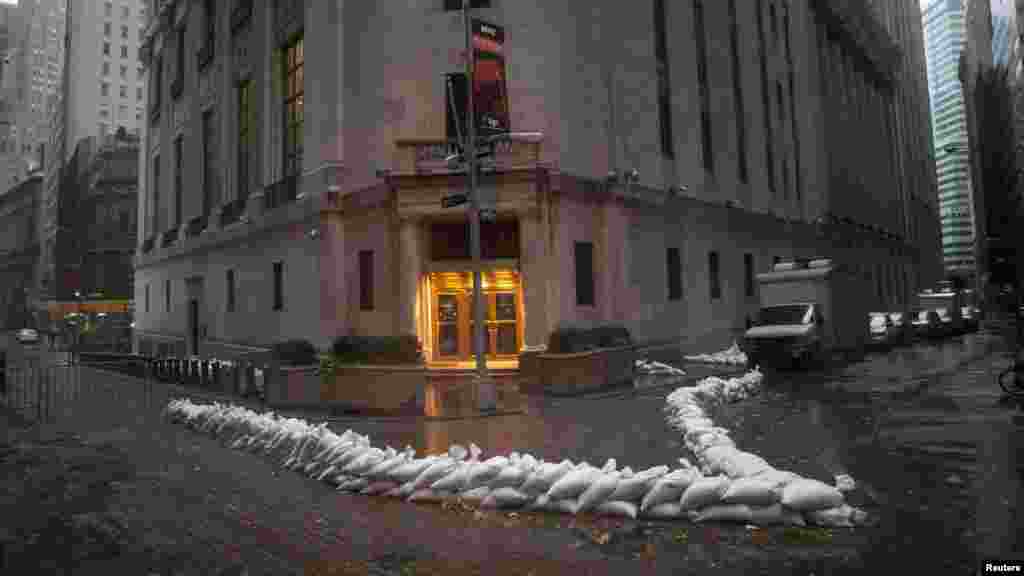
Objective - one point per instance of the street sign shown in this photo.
(488, 215)
(453, 200)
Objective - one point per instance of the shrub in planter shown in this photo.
(295, 353)
(569, 339)
(403, 349)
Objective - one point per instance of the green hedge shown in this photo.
(571, 339)
(403, 349)
(295, 353)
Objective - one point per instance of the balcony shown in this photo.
(147, 244)
(284, 191)
(231, 212)
(241, 15)
(170, 237)
(205, 55)
(196, 226)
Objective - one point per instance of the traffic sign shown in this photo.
(453, 200)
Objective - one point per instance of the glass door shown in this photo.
(502, 329)
(448, 325)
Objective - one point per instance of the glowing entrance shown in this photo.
(452, 314)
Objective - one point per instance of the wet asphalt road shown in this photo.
(937, 453)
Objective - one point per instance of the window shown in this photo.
(157, 209)
(179, 166)
(124, 91)
(126, 12)
(737, 94)
(147, 298)
(167, 295)
(584, 256)
(105, 89)
(664, 85)
(124, 32)
(138, 93)
(106, 48)
(124, 53)
(106, 68)
(366, 279)
(766, 112)
(278, 286)
(108, 9)
(748, 274)
(106, 29)
(293, 106)
(792, 107)
(245, 128)
(229, 281)
(179, 76)
(675, 274)
(209, 160)
(713, 276)
(702, 80)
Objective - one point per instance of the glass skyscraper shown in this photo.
(945, 39)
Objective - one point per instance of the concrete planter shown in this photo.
(579, 372)
(375, 388)
(294, 386)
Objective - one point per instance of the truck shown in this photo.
(809, 310)
(949, 304)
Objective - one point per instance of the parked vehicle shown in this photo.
(809, 309)
(903, 331)
(948, 304)
(971, 316)
(881, 328)
(27, 336)
(952, 324)
(926, 324)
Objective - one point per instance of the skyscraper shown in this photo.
(1003, 31)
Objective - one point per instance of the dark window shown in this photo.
(157, 209)
(766, 113)
(584, 255)
(245, 136)
(230, 290)
(293, 106)
(450, 5)
(713, 276)
(702, 80)
(748, 274)
(737, 94)
(278, 286)
(664, 84)
(792, 107)
(209, 161)
(366, 279)
(210, 16)
(675, 274)
(147, 297)
(179, 166)
(167, 295)
(179, 76)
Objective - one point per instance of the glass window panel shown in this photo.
(507, 339)
(505, 305)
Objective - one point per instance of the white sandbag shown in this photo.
(505, 498)
(744, 464)
(668, 488)
(617, 508)
(632, 489)
(704, 492)
(410, 470)
(486, 471)
(457, 452)
(361, 465)
(753, 491)
(544, 477)
(807, 495)
(511, 476)
(777, 478)
(776, 514)
(724, 513)
(476, 494)
(381, 469)
(455, 480)
(698, 423)
(844, 516)
(379, 487)
(845, 483)
(664, 511)
(426, 495)
(355, 485)
(600, 489)
(435, 472)
(566, 506)
(573, 484)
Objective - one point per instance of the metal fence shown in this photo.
(36, 390)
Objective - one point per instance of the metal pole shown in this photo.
(474, 210)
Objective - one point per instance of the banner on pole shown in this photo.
(490, 88)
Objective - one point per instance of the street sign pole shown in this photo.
(474, 209)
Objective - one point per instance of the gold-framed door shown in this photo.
(452, 315)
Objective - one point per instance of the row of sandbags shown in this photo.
(731, 355)
(651, 367)
(349, 462)
(751, 480)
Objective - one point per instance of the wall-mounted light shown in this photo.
(633, 175)
(314, 232)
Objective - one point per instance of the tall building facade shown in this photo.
(1004, 31)
(683, 147)
(945, 28)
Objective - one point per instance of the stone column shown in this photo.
(334, 319)
(410, 264)
(534, 278)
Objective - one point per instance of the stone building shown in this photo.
(755, 129)
(19, 247)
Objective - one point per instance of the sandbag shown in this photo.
(617, 508)
(511, 476)
(410, 470)
(668, 489)
(632, 489)
(435, 472)
(573, 484)
(381, 469)
(476, 494)
(704, 492)
(664, 511)
(544, 477)
(355, 485)
(724, 513)
(776, 514)
(505, 498)
(752, 491)
(379, 487)
(744, 464)
(426, 495)
(486, 471)
(455, 480)
(565, 506)
(843, 516)
(777, 478)
(808, 495)
(600, 489)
